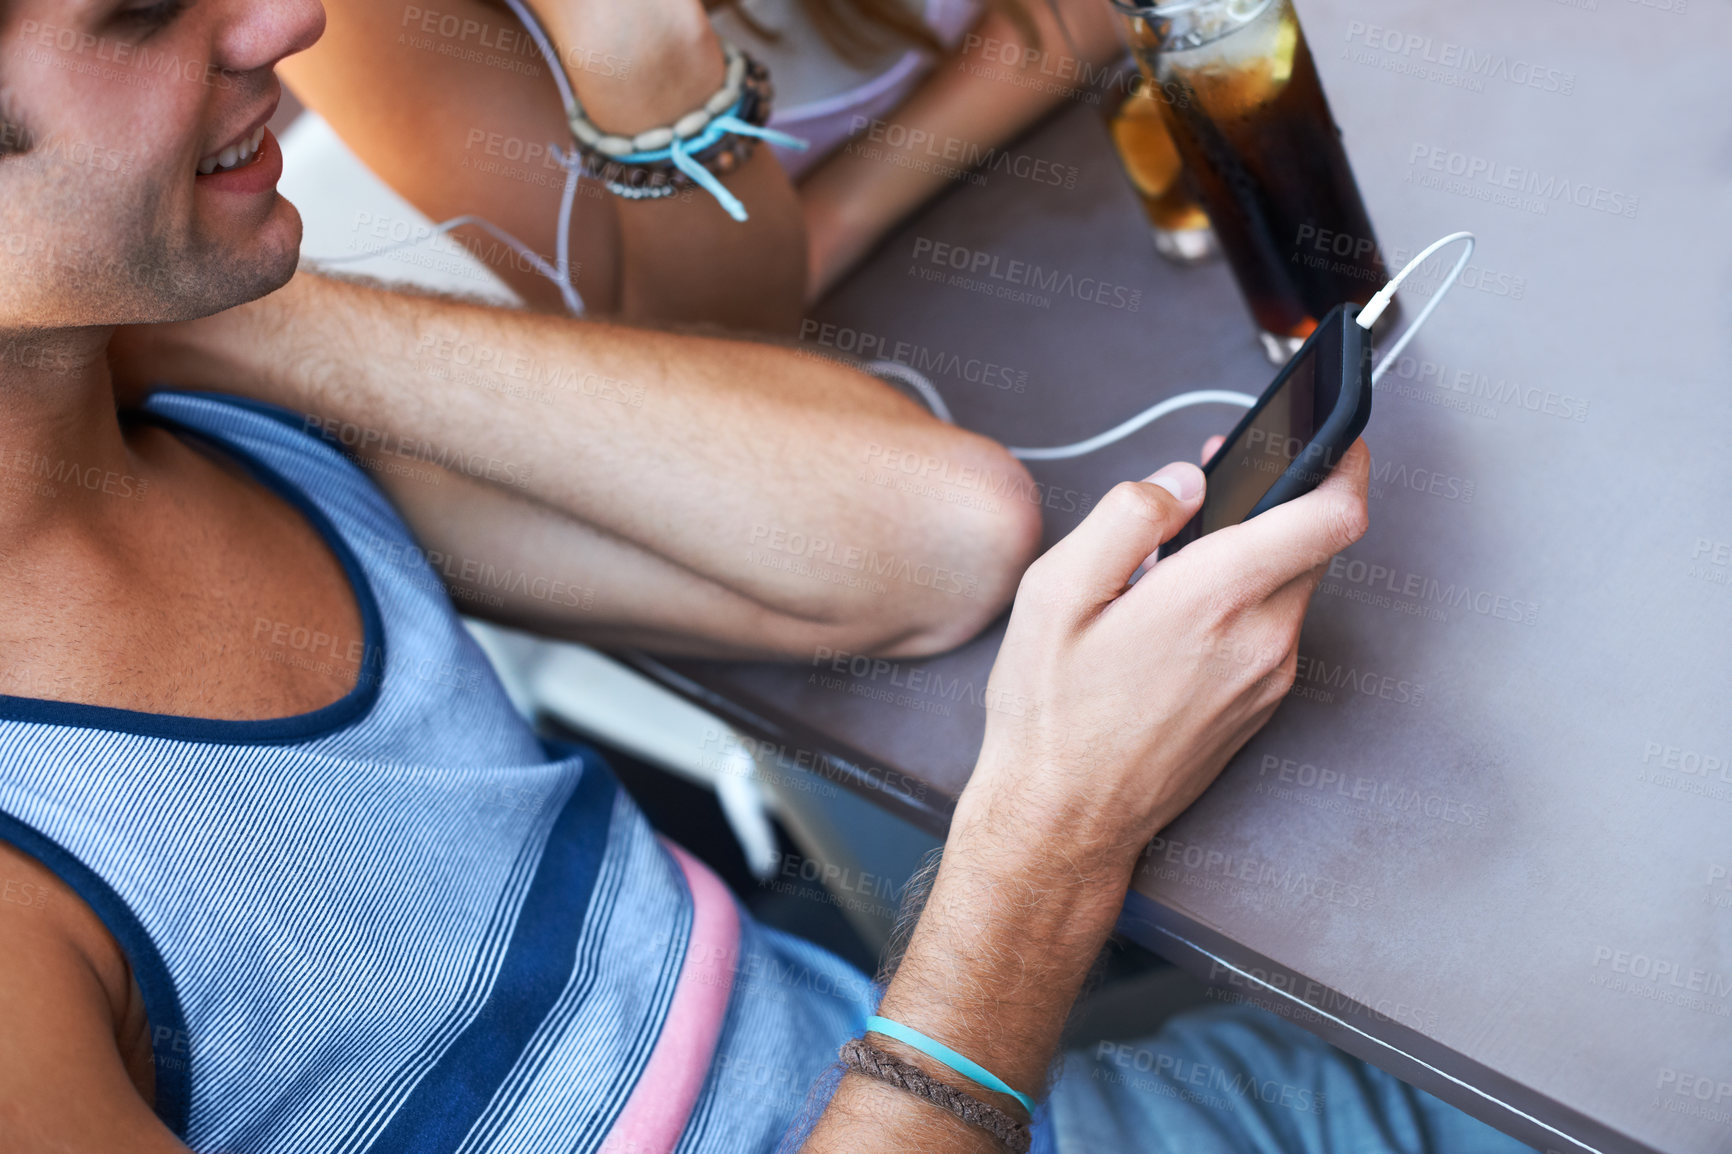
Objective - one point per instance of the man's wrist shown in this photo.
(1049, 891)
(1004, 944)
(1080, 844)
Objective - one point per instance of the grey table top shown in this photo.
(1487, 842)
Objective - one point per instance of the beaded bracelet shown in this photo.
(686, 127)
(631, 192)
(717, 137)
(714, 147)
(642, 167)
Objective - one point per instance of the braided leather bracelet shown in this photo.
(863, 1057)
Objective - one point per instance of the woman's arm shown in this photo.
(1112, 712)
(451, 105)
(969, 103)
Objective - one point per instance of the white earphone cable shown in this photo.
(1375, 306)
(1367, 317)
(1120, 431)
(560, 275)
(560, 272)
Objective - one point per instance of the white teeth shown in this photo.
(234, 155)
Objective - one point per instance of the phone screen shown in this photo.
(1249, 465)
(1246, 467)
(1294, 435)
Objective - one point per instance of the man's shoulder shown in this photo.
(44, 925)
(39, 910)
(72, 1025)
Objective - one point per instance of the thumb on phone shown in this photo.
(1094, 563)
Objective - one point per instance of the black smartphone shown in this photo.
(1296, 432)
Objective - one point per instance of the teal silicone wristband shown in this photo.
(940, 1052)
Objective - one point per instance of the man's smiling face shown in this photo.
(137, 180)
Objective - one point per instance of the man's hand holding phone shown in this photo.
(1115, 706)
(1111, 707)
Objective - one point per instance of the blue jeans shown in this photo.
(1237, 1080)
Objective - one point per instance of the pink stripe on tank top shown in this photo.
(656, 1113)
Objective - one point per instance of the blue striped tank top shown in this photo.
(402, 923)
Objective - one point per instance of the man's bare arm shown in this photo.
(818, 501)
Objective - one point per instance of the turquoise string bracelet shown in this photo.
(939, 1052)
